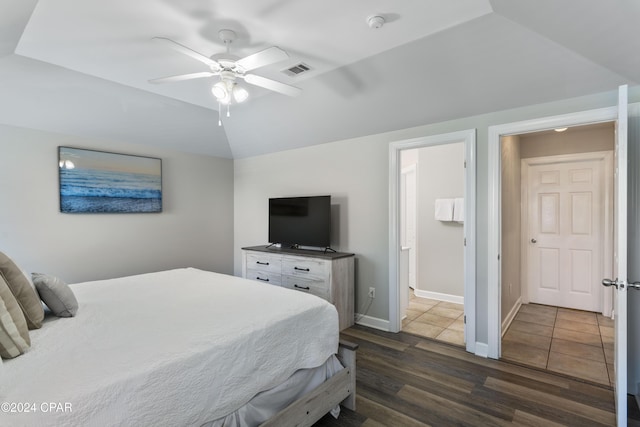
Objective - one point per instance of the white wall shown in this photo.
(194, 229)
(354, 173)
(440, 244)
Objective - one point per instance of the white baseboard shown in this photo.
(372, 322)
(512, 314)
(438, 296)
(482, 349)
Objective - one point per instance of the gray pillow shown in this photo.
(14, 334)
(56, 294)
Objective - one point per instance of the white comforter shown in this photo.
(175, 348)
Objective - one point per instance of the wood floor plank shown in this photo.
(604, 417)
(522, 418)
(524, 403)
(455, 391)
(386, 342)
(372, 423)
(453, 411)
(419, 373)
(384, 415)
(378, 380)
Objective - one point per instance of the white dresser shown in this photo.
(327, 275)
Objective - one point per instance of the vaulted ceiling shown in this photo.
(82, 67)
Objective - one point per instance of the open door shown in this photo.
(620, 260)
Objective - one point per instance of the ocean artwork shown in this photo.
(101, 182)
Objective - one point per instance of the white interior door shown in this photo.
(566, 233)
(620, 260)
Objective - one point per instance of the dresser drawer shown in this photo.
(304, 268)
(317, 287)
(265, 277)
(264, 262)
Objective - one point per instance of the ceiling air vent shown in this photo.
(296, 70)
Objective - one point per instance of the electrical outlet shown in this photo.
(372, 292)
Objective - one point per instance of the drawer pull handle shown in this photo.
(260, 278)
(262, 263)
(300, 269)
(306, 288)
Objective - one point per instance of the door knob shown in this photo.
(534, 241)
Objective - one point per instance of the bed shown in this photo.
(183, 347)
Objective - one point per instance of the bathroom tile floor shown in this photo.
(571, 342)
(443, 321)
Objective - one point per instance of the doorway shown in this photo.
(557, 225)
(432, 239)
(397, 235)
(494, 247)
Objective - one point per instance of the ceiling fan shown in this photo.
(231, 68)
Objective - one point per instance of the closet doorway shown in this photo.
(432, 259)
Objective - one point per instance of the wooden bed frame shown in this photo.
(339, 389)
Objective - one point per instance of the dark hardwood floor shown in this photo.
(406, 380)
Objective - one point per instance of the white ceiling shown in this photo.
(82, 67)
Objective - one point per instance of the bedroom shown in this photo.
(218, 179)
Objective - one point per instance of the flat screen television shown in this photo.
(300, 221)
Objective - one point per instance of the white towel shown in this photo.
(444, 210)
(458, 209)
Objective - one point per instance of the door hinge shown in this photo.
(465, 164)
(465, 319)
(465, 241)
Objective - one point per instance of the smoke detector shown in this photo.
(375, 22)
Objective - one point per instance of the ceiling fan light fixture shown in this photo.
(240, 94)
(220, 91)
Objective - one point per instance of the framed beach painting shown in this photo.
(101, 182)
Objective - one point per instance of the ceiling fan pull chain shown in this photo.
(228, 108)
(219, 114)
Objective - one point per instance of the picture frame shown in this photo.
(92, 181)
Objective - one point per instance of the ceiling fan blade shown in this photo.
(182, 77)
(189, 52)
(268, 56)
(273, 85)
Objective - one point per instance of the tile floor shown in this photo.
(443, 321)
(571, 342)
